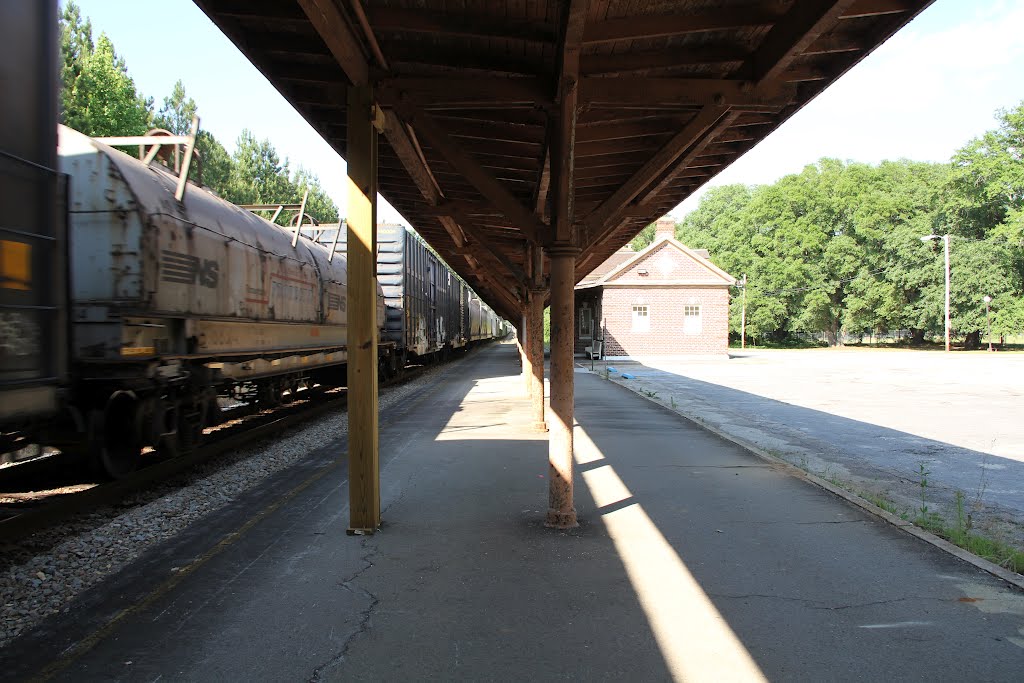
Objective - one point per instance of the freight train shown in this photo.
(173, 299)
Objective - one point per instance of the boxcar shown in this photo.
(424, 300)
(33, 292)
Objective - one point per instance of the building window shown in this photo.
(586, 322)
(641, 319)
(691, 320)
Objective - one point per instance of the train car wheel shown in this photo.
(118, 451)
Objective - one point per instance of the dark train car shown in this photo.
(33, 291)
(424, 299)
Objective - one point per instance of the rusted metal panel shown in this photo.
(202, 261)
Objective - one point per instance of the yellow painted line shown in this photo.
(93, 639)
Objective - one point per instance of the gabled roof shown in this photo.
(612, 263)
(622, 261)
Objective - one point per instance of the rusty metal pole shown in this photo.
(524, 359)
(535, 351)
(561, 511)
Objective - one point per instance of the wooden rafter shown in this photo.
(449, 91)
(693, 158)
(339, 37)
(684, 91)
(462, 24)
(804, 23)
(609, 210)
(658, 25)
(471, 170)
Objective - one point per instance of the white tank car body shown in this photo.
(154, 278)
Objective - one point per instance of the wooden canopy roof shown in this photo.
(513, 124)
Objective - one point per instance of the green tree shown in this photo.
(177, 112)
(257, 174)
(76, 45)
(643, 239)
(98, 97)
(985, 215)
(318, 204)
(176, 116)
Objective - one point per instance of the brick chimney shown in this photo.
(665, 227)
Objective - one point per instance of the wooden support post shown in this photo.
(561, 511)
(363, 455)
(535, 351)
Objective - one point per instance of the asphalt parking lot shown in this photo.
(878, 421)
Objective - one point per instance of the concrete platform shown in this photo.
(694, 561)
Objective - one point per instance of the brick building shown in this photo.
(666, 300)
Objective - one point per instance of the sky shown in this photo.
(922, 95)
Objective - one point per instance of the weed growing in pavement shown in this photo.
(923, 472)
(648, 393)
(979, 494)
(883, 503)
(964, 521)
(960, 535)
(672, 401)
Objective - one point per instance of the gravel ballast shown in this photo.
(46, 571)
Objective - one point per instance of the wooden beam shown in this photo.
(692, 159)
(385, 19)
(834, 43)
(628, 130)
(363, 444)
(607, 213)
(527, 136)
(339, 37)
(685, 91)
(480, 239)
(804, 23)
(605, 64)
(873, 8)
(448, 91)
(645, 27)
(472, 171)
(602, 147)
(402, 53)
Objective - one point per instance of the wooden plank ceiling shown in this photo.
(638, 102)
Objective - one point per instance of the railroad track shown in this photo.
(26, 516)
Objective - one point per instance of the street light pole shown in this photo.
(988, 319)
(945, 240)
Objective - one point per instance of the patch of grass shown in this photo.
(883, 503)
(996, 552)
(648, 393)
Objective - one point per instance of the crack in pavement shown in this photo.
(364, 616)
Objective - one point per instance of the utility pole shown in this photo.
(945, 239)
(988, 319)
(743, 313)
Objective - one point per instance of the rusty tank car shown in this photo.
(175, 302)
